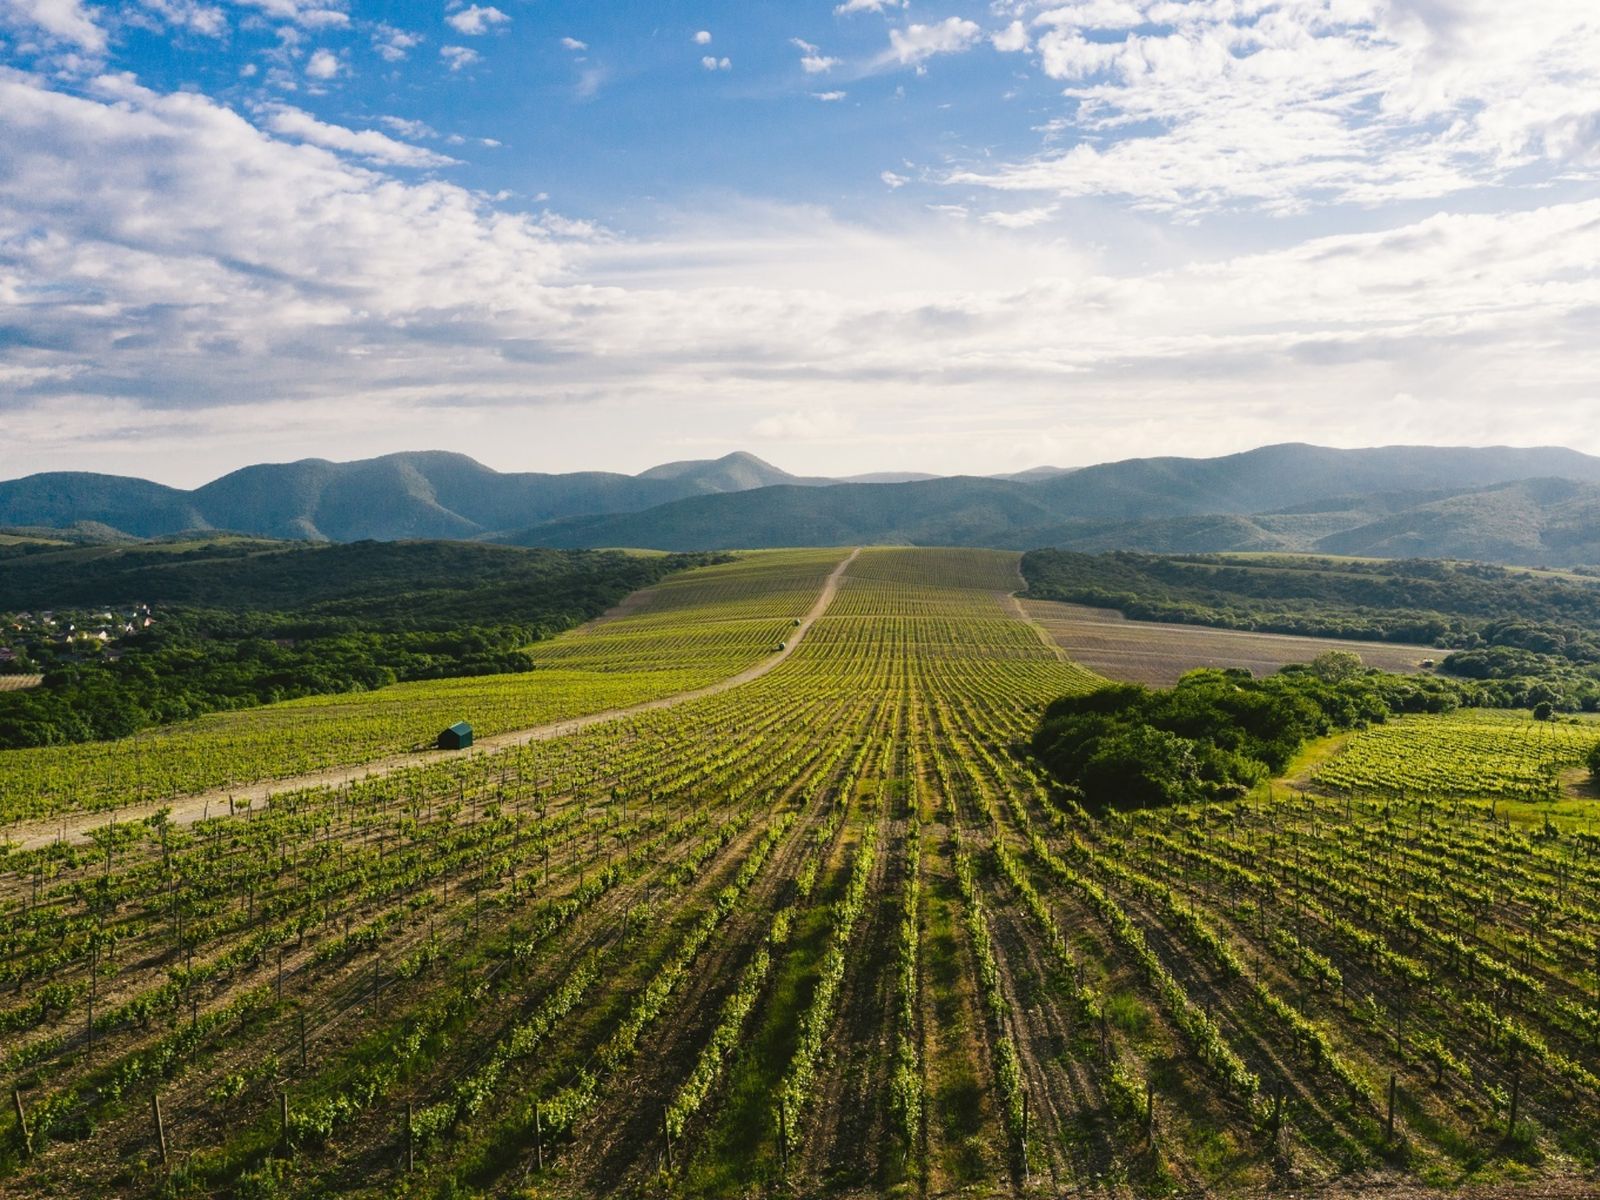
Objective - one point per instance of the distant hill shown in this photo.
(962, 511)
(427, 494)
(1533, 507)
(1528, 506)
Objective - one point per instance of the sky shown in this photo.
(851, 236)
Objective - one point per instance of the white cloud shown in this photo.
(917, 43)
(475, 20)
(1287, 104)
(893, 180)
(309, 14)
(406, 127)
(855, 6)
(703, 38)
(204, 19)
(819, 423)
(1012, 39)
(323, 64)
(394, 45)
(365, 143)
(335, 306)
(457, 57)
(1020, 219)
(711, 63)
(64, 21)
(572, 43)
(828, 97)
(812, 61)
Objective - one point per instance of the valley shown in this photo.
(827, 930)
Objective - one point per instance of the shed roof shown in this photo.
(459, 727)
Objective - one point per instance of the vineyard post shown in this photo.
(22, 1123)
(92, 977)
(1516, 1095)
(1389, 1135)
(161, 1127)
(1025, 1115)
(783, 1133)
(280, 974)
(538, 1137)
(283, 1119)
(411, 1154)
(302, 1041)
(666, 1138)
(1149, 1109)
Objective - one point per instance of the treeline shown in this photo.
(242, 624)
(1529, 638)
(1218, 733)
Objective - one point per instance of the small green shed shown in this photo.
(457, 737)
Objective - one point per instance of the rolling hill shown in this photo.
(1533, 507)
(427, 494)
(1537, 506)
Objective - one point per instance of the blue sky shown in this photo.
(846, 236)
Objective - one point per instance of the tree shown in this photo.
(1543, 711)
(1336, 666)
(1142, 766)
(1594, 763)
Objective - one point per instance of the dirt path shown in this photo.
(1014, 602)
(185, 810)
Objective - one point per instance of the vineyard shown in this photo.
(696, 628)
(1491, 754)
(826, 932)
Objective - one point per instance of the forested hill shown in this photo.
(428, 494)
(1501, 504)
(1538, 507)
(238, 622)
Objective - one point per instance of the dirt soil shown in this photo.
(1150, 652)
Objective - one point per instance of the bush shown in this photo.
(1218, 733)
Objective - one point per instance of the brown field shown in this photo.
(1149, 652)
(18, 683)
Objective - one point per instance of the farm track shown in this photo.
(189, 809)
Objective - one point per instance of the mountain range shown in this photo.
(1537, 506)
(427, 494)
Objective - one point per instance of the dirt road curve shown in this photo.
(188, 809)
